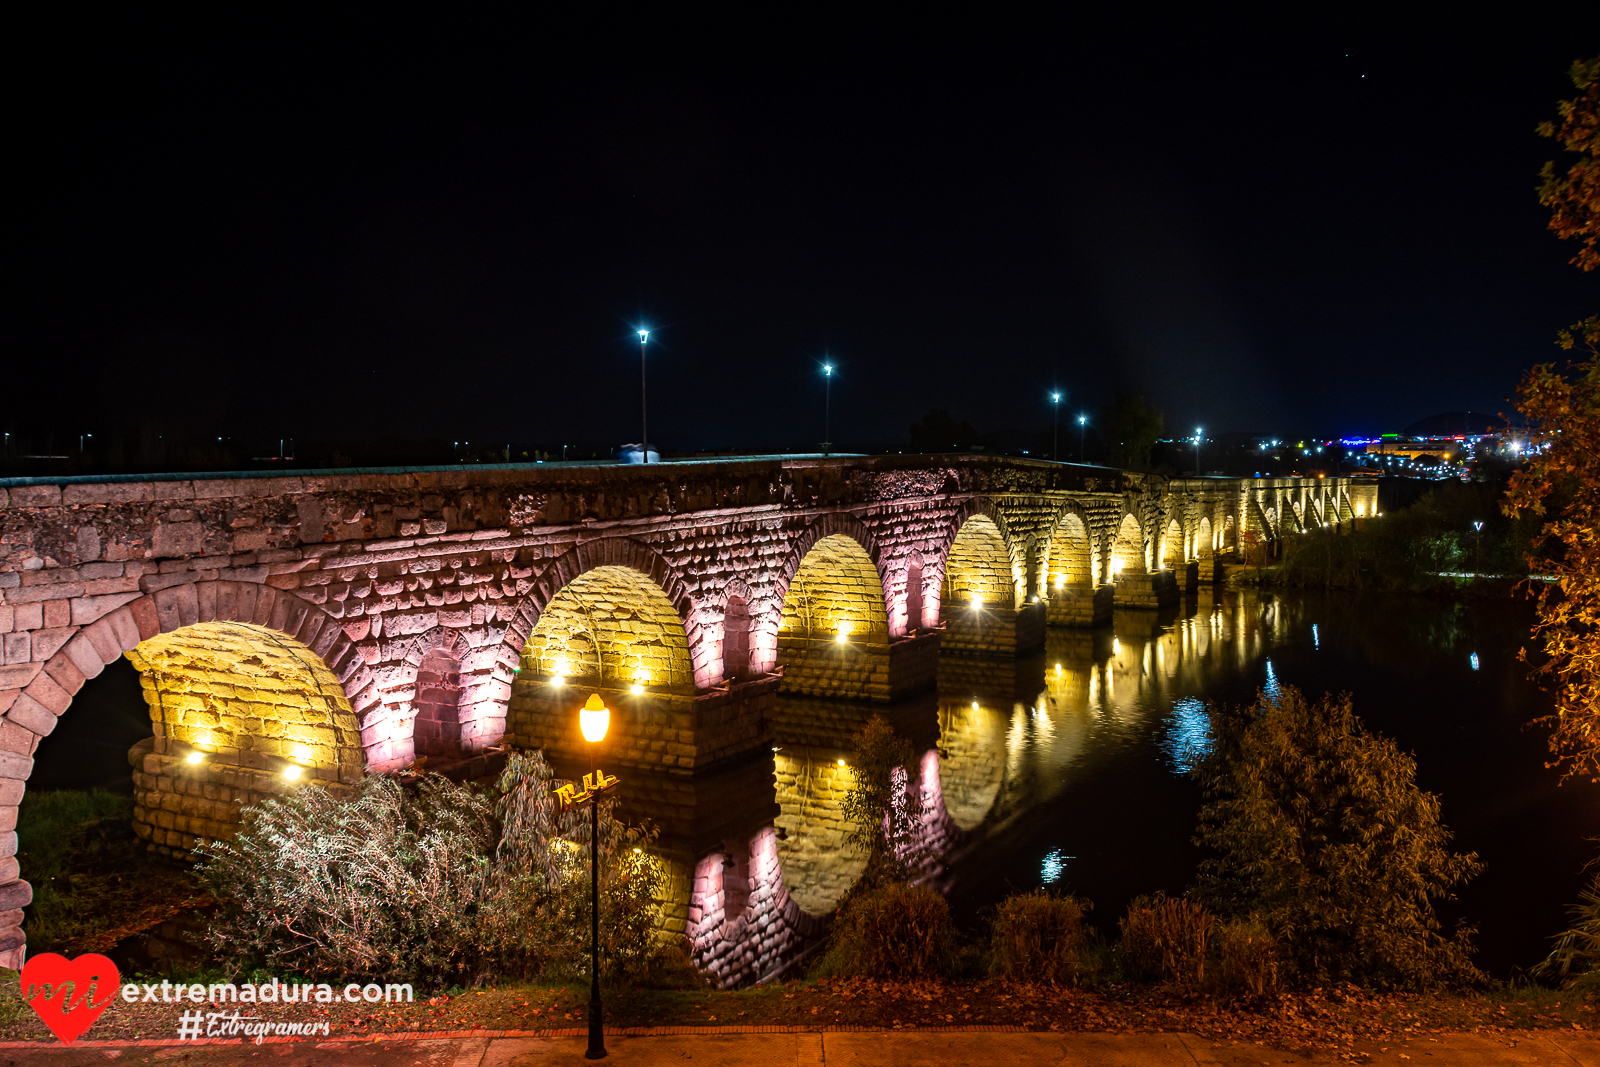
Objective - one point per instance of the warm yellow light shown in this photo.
(977, 601)
(594, 719)
(1061, 581)
(974, 705)
(1058, 668)
(844, 633)
(558, 681)
(291, 772)
(637, 690)
(196, 757)
(1116, 566)
(841, 763)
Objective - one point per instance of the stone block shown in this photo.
(35, 496)
(32, 716)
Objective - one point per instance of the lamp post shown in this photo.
(1081, 420)
(1197, 432)
(1477, 555)
(827, 406)
(1055, 444)
(593, 720)
(644, 426)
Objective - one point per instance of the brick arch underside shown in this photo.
(705, 651)
(836, 589)
(1070, 562)
(1172, 544)
(891, 580)
(87, 650)
(978, 563)
(611, 624)
(1204, 537)
(1127, 551)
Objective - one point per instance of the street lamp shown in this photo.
(1081, 420)
(1477, 555)
(593, 720)
(1197, 432)
(644, 416)
(1055, 445)
(827, 406)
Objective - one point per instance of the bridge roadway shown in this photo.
(332, 623)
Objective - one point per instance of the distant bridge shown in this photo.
(346, 622)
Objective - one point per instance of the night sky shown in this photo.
(448, 225)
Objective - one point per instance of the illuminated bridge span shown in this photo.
(321, 625)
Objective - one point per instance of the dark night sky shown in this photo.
(429, 224)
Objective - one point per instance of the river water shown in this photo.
(1097, 734)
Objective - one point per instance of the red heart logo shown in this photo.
(63, 991)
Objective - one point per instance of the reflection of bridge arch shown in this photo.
(972, 760)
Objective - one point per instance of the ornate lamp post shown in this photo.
(593, 720)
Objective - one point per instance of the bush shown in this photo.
(1036, 937)
(1164, 939)
(1317, 829)
(438, 883)
(1245, 958)
(1573, 959)
(896, 931)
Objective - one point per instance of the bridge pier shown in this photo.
(858, 669)
(1146, 589)
(1079, 605)
(1187, 575)
(982, 630)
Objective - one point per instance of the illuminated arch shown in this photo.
(611, 625)
(1204, 542)
(1172, 553)
(835, 591)
(978, 566)
(1070, 559)
(1127, 551)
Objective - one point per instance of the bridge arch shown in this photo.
(835, 594)
(1127, 550)
(1205, 544)
(1069, 557)
(611, 624)
(1172, 545)
(978, 566)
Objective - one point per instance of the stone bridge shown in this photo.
(316, 626)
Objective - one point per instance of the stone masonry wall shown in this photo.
(373, 571)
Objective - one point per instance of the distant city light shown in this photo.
(1474, 661)
(1055, 864)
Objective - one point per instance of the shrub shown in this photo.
(1573, 958)
(1245, 958)
(1316, 828)
(438, 883)
(895, 931)
(1164, 939)
(1036, 937)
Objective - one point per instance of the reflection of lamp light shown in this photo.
(593, 719)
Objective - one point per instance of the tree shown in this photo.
(883, 804)
(1315, 827)
(1574, 198)
(1131, 427)
(1563, 412)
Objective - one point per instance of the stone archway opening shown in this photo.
(1172, 549)
(1204, 545)
(1127, 552)
(977, 571)
(239, 713)
(836, 596)
(1070, 555)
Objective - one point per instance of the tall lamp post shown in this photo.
(827, 406)
(593, 720)
(1055, 444)
(1477, 555)
(1081, 431)
(1197, 432)
(644, 420)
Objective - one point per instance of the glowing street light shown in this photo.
(1197, 433)
(644, 407)
(1055, 445)
(1082, 419)
(827, 407)
(594, 719)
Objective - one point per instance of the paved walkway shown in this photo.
(952, 1048)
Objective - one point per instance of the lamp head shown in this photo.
(644, 335)
(827, 370)
(594, 719)
(1055, 398)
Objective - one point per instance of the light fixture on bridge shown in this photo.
(977, 601)
(594, 719)
(637, 690)
(843, 635)
(292, 772)
(974, 705)
(841, 763)
(195, 758)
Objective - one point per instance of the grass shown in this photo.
(94, 883)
